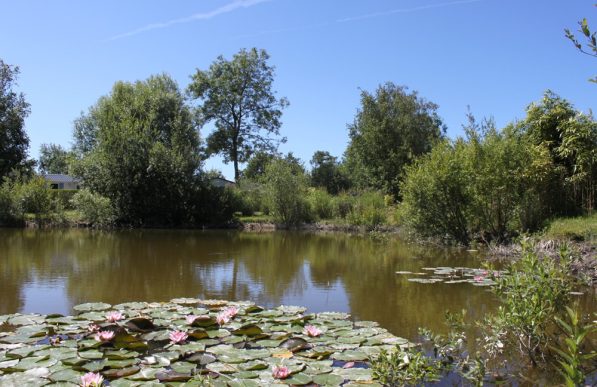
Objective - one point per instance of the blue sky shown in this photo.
(495, 55)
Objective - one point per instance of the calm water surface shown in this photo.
(49, 271)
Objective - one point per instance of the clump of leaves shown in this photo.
(406, 367)
(571, 359)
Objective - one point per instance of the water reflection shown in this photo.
(52, 270)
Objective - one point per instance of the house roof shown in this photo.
(60, 178)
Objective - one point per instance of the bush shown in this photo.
(369, 209)
(94, 208)
(63, 196)
(35, 198)
(285, 192)
(342, 205)
(11, 213)
(321, 203)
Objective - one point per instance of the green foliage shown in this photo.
(285, 191)
(569, 139)
(435, 193)
(213, 206)
(256, 165)
(53, 159)
(494, 184)
(140, 149)
(35, 197)
(237, 94)
(408, 367)
(94, 208)
(11, 211)
(63, 196)
(392, 128)
(572, 359)
(326, 172)
(534, 292)
(321, 203)
(582, 228)
(14, 142)
(368, 210)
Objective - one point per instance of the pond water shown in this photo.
(49, 271)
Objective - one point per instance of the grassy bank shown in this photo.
(582, 228)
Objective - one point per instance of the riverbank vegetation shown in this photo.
(139, 154)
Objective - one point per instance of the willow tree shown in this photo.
(237, 96)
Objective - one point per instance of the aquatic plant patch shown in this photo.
(190, 342)
(455, 275)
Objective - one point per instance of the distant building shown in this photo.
(220, 182)
(60, 181)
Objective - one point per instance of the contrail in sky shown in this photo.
(405, 10)
(360, 17)
(230, 7)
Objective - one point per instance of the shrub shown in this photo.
(435, 194)
(285, 192)
(35, 198)
(94, 208)
(64, 196)
(11, 213)
(321, 203)
(369, 210)
(342, 205)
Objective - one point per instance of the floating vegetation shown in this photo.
(189, 342)
(455, 275)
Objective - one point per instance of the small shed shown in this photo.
(60, 181)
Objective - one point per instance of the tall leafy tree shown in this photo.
(237, 96)
(391, 129)
(141, 150)
(14, 141)
(53, 158)
(326, 172)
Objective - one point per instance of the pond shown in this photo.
(49, 271)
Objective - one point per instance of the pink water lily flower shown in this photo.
(93, 327)
(114, 316)
(177, 337)
(91, 379)
(191, 319)
(104, 336)
(312, 331)
(231, 311)
(479, 278)
(280, 372)
(222, 318)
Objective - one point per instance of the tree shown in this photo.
(237, 95)
(326, 172)
(285, 191)
(256, 165)
(14, 141)
(53, 158)
(591, 45)
(141, 151)
(391, 129)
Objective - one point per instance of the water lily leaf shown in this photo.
(295, 344)
(253, 309)
(354, 374)
(120, 354)
(186, 301)
(204, 321)
(254, 365)
(94, 366)
(91, 354)
(66, 375)
(248, 330)
(140, 324)
(350, 356)
(119, 364)
(35, 362)
(201, 358)
(92, 306)
(147, 373)
(120, 373)
(221, 368)
(198, 334)
(22, 379)
(8, 364)
(328, 380)
(299, 379)
(131, 305)
(128, 341)
(183, 367)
